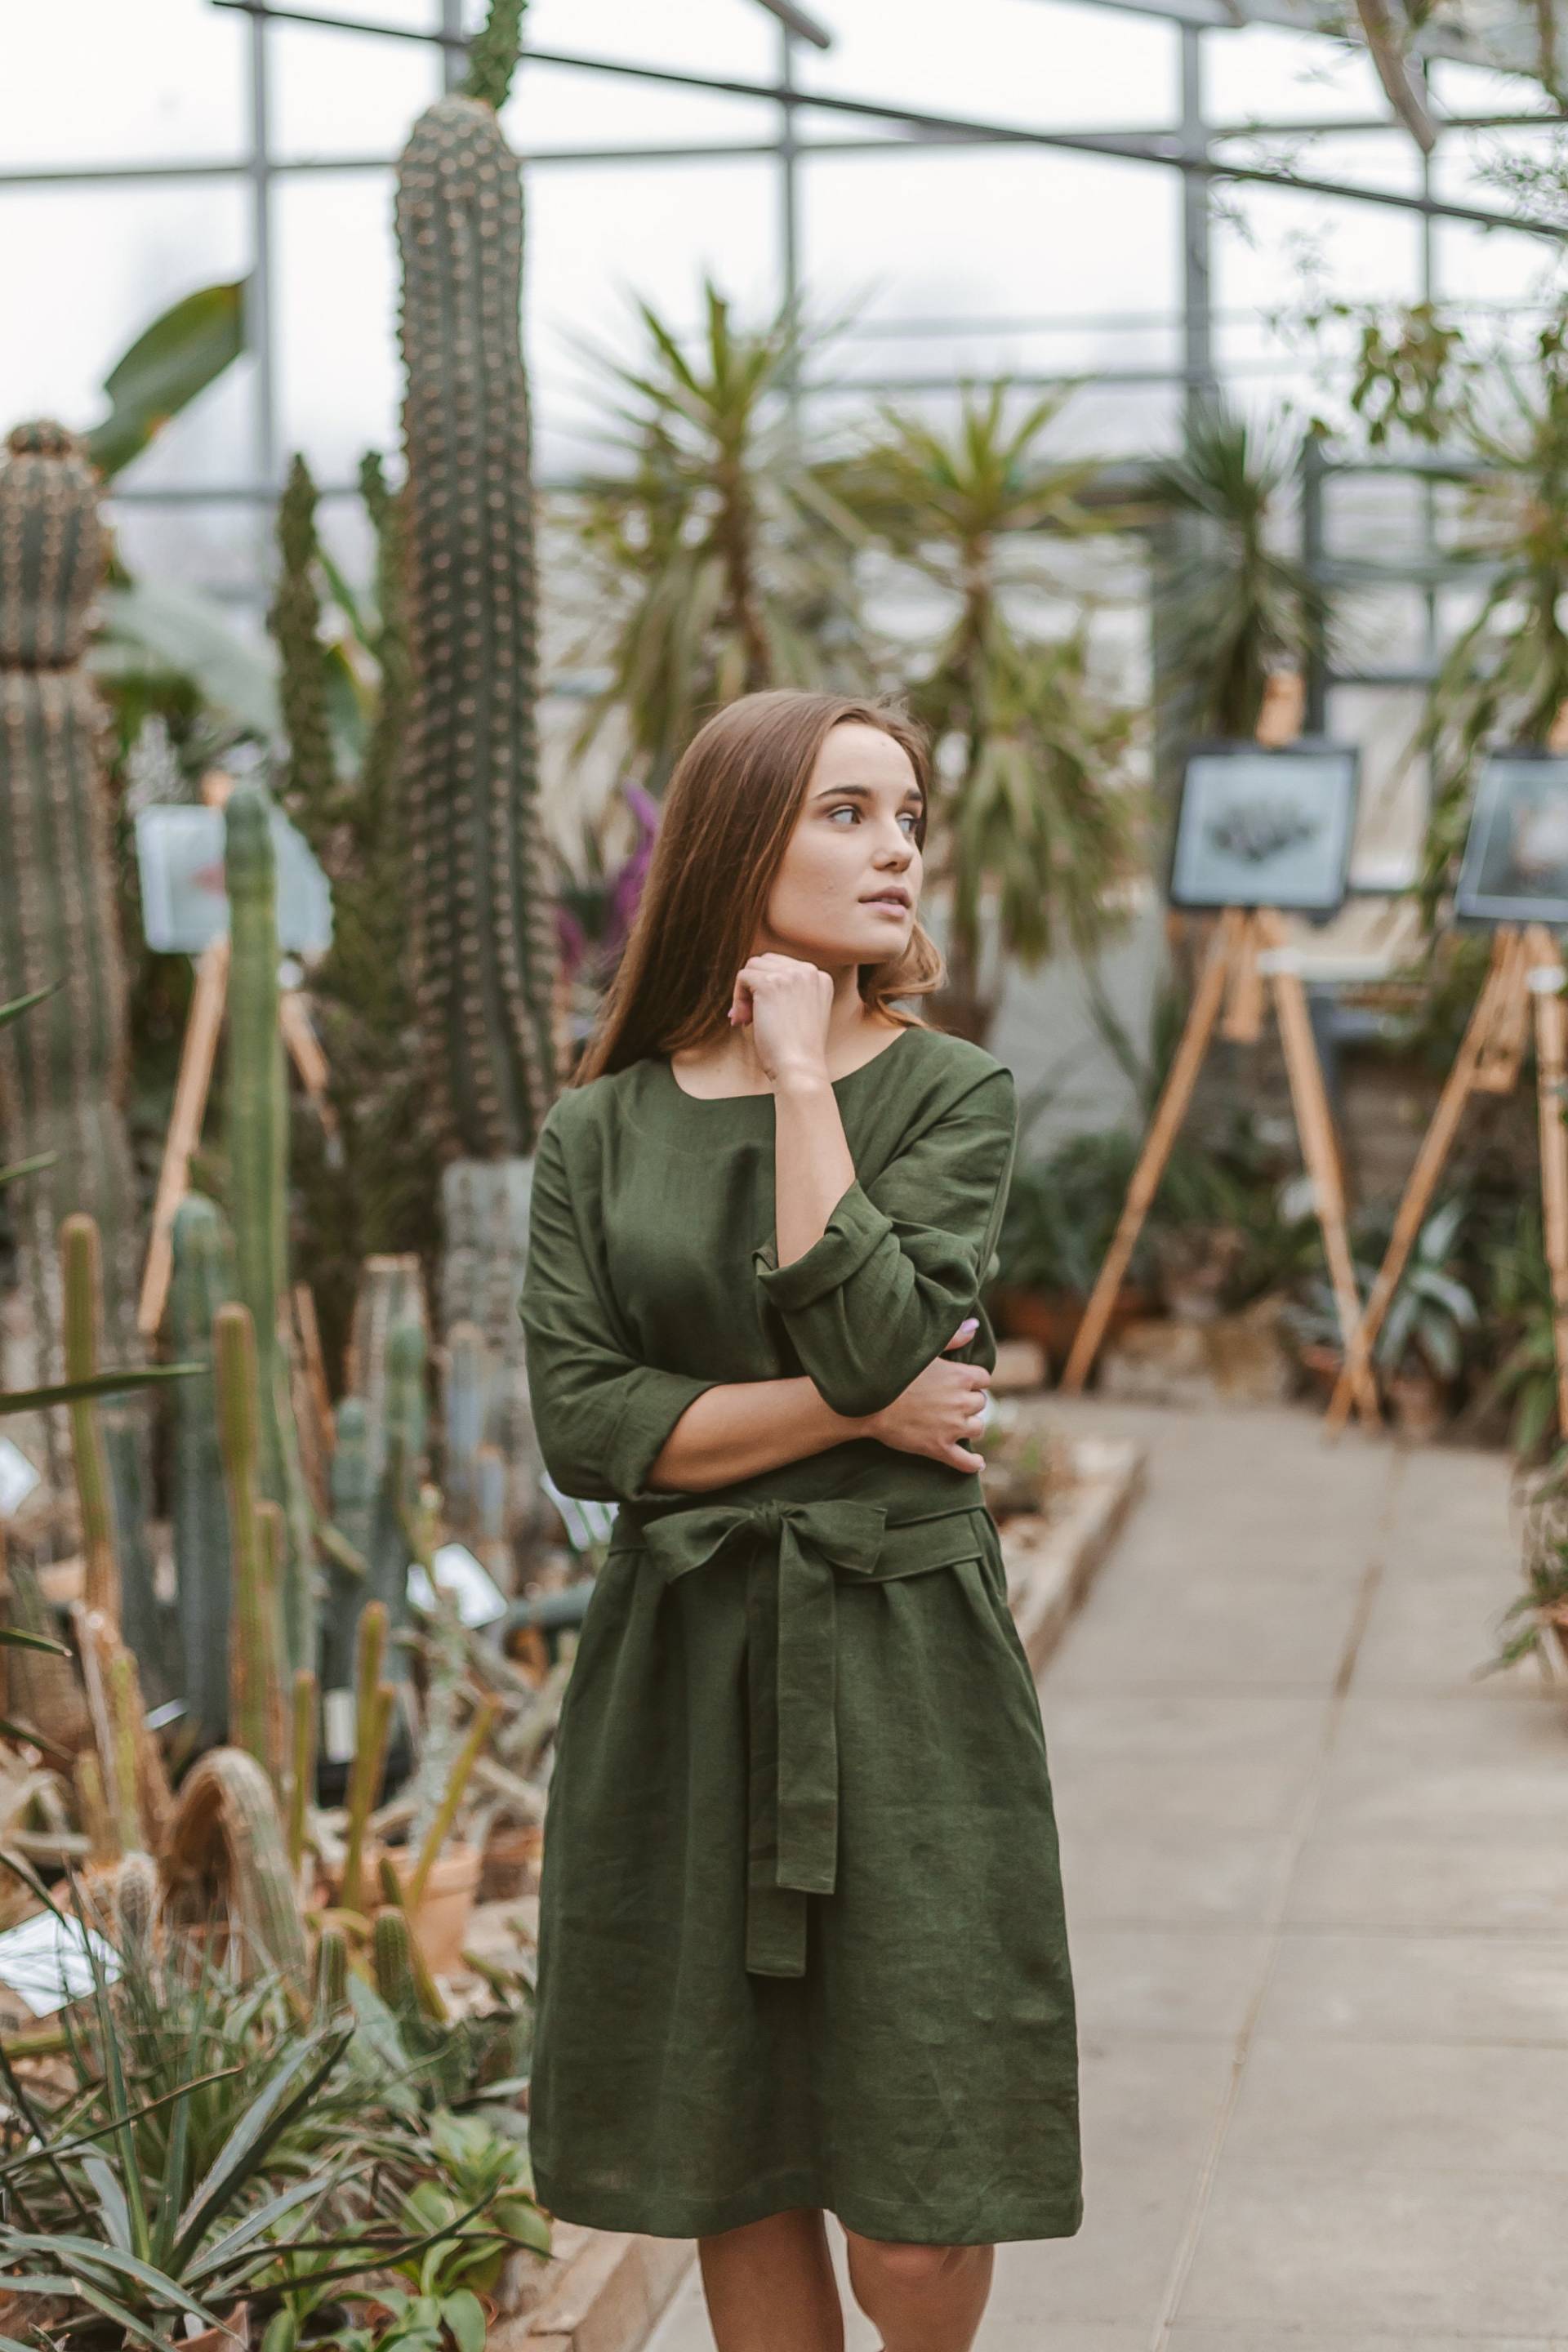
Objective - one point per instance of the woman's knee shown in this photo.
(912, 2268)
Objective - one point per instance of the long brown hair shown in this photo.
(729, 812)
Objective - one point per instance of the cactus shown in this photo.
(62, 1071)
(257, 1101)
(467, 1378)
(254, 1635)
(92, 1809)
(332, 1971)
(81, 1290)
(137, 1897)
(480, 905)
(202, 1280)
(403, 1978)
(373, 1701)
(226, 1853)
(301, 1766)
(309, 785)
(398, 1497)
(462, 1764)
(354, 1491)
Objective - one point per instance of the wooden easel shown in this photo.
(198, 1051)
(1250, 945)
(1525, 963)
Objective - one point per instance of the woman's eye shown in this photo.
(847, 809)
(910, 819)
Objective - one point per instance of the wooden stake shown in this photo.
(1174, 1098)
(1491, 1011)
(1544, 975)
(191, 1087)
(1320, 1146)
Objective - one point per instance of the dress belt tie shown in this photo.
(797, 1553)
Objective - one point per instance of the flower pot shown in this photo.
(441, 1924)
(1419, 1404)
(1052, 1316)
(510, 1862)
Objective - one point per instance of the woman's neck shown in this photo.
(854, 1034)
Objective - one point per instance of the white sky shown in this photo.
(970, 235)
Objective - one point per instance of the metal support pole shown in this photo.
(1197, 246)
(258, 316)
(789, 213)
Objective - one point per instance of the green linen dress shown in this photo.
(801, 1936)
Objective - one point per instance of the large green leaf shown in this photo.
(176, 631)
(100, 1384)
(184, 351)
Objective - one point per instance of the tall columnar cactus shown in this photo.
(81, 1286)
(310, 783)
(226, 1851)
(62, 1071)
(202, 1280)
(481, 911)
(258, 1098)
(398, 1497)
(255, 1634)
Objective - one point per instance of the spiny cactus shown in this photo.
(481, 899)
(257, 1102)
(332, 1971)
(137, 1897)
(81, 1289)
(301, 1765)
(226, 1852)
(402, 1978)
(62, 1071)
(309, 785)
(373, 1702)
(467, 1380)
(399, 1491)
(254, 1635)
(202, 1280)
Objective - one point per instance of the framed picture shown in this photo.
(1262, 828)
(1515, 865)
(185, 907)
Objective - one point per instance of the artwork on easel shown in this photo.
(1514, 874)
(1515, 865)
(1265, 828)
(185, 908)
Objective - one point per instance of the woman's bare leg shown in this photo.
(770, 2286)
(923, 2298)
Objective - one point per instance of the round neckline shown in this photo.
(765, 1093)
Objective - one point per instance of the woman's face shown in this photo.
(849, 882)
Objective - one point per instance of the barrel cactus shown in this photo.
(62, 1070)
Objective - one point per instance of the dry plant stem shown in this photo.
(463, 1763)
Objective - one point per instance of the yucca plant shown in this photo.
(1505, 677)
(718, 559)
(1231, 605)
(1037, 825)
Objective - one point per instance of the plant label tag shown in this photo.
(17, 1478)
(47, 1961)
(338, 1724)
(479, 1602)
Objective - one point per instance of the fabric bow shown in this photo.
(798, 1550)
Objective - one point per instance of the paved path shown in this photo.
(1317, 1887)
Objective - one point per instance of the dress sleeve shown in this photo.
(902, 1259)
(601, 1416)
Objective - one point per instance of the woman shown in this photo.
(800, 1935)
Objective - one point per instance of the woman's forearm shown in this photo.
(742, 1427)
(813, 1169)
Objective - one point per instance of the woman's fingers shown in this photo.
(965, 1332)
(964, 1460)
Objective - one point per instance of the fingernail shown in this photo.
(969, 1323)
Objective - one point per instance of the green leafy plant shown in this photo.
(1433, 1313)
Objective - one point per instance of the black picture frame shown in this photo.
(1290, 814)
(1514, 866)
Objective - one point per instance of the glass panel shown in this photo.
(124, 257)
(714, 37)
(225, 549)
(1023, 61)
(955, 261)
(346, 93)
(336, 334)
(598, 236)
(1264, 73)
(550, 106)
(163, 82)
(1271, 250)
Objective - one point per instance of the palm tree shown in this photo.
(1036, 821)
(719, 560)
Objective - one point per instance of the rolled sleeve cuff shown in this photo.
(649, 1414)
(856, 1228)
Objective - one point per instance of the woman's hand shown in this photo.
(786, 1003)
(940, 1407)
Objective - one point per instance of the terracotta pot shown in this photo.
(511, 1863)
(1052, 1316)
(1419, 1404)
(441, 1922)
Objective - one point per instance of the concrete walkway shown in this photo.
(1317, 1887)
